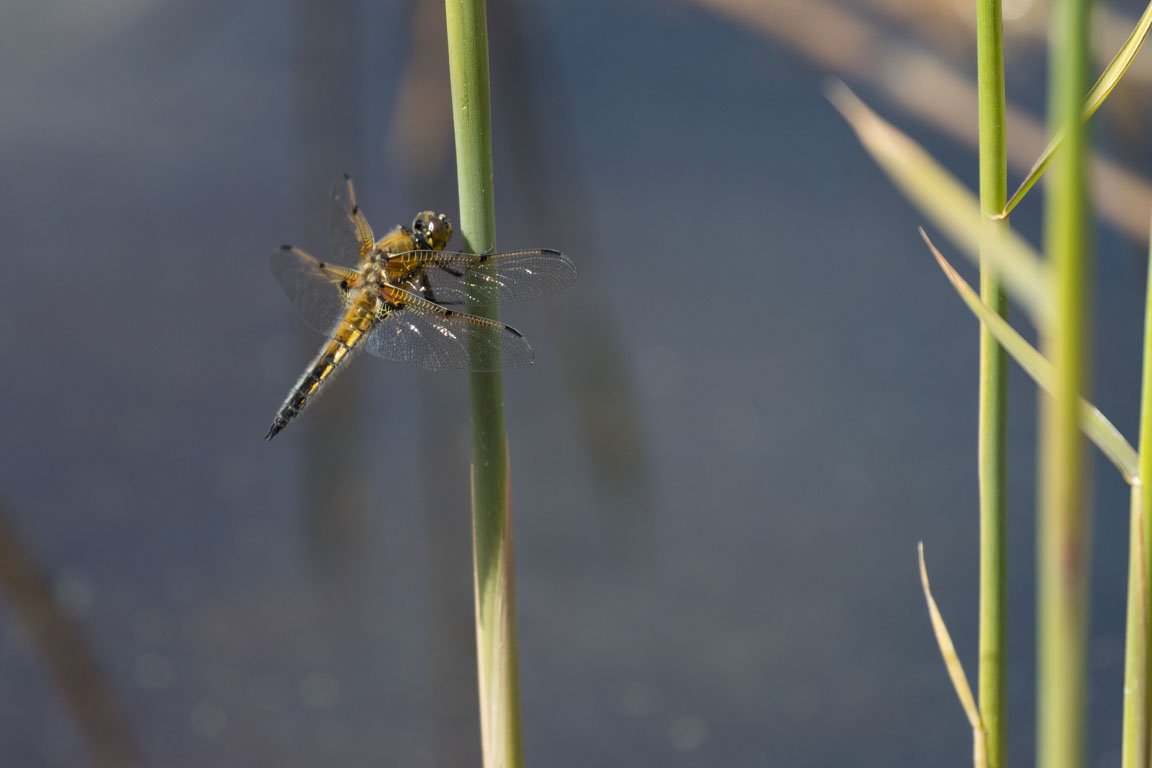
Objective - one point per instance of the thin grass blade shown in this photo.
(955, 669)
(1108, 80)
(949, 205)
(1096, 426)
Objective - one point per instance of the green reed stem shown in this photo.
(1137, 654)
(500, 729)
(1064, 525)
(993, 384)
(1134, 740)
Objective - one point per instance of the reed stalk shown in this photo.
(1134, 736)
(1137, 659)
(498, 668)
(993, 383)
(1064, 526)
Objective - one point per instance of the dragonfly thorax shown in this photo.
(372, 273)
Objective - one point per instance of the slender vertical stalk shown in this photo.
(500, 730)
(1137, 656)
(1134, 751)
(1064, 526)
(993, 384)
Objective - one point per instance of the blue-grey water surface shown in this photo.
(756, 400)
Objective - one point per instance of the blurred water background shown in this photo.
(756, 400)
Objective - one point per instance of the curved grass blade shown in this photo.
(955, 669)
(1108, 79)
(1096, 426)
(949, 204)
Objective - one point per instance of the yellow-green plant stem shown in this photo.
(993, 384)
(1137, 656)
(1134, 740)
(1064, 525)
(500, 729)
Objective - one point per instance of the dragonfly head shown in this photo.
(432, 230)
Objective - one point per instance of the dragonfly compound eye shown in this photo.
(443, 230)
(432, 230)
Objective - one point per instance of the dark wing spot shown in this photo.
(449, 313)
(322, 265)
(285, 247)
(483, 258)
(355, 210)
(346, 177)
(344, 285)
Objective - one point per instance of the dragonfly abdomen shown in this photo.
(335, 351)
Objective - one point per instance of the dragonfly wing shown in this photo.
(349, 235)
(414, 330)
(318, 290)
(513, 275)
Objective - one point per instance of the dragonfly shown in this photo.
(401, 297)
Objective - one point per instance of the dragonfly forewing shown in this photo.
(455, 278)
(410, 329)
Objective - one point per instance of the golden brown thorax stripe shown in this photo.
(399, 240)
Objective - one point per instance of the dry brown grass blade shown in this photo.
(60, 641)
(949, 204)
(844, 42)
(955, 669)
